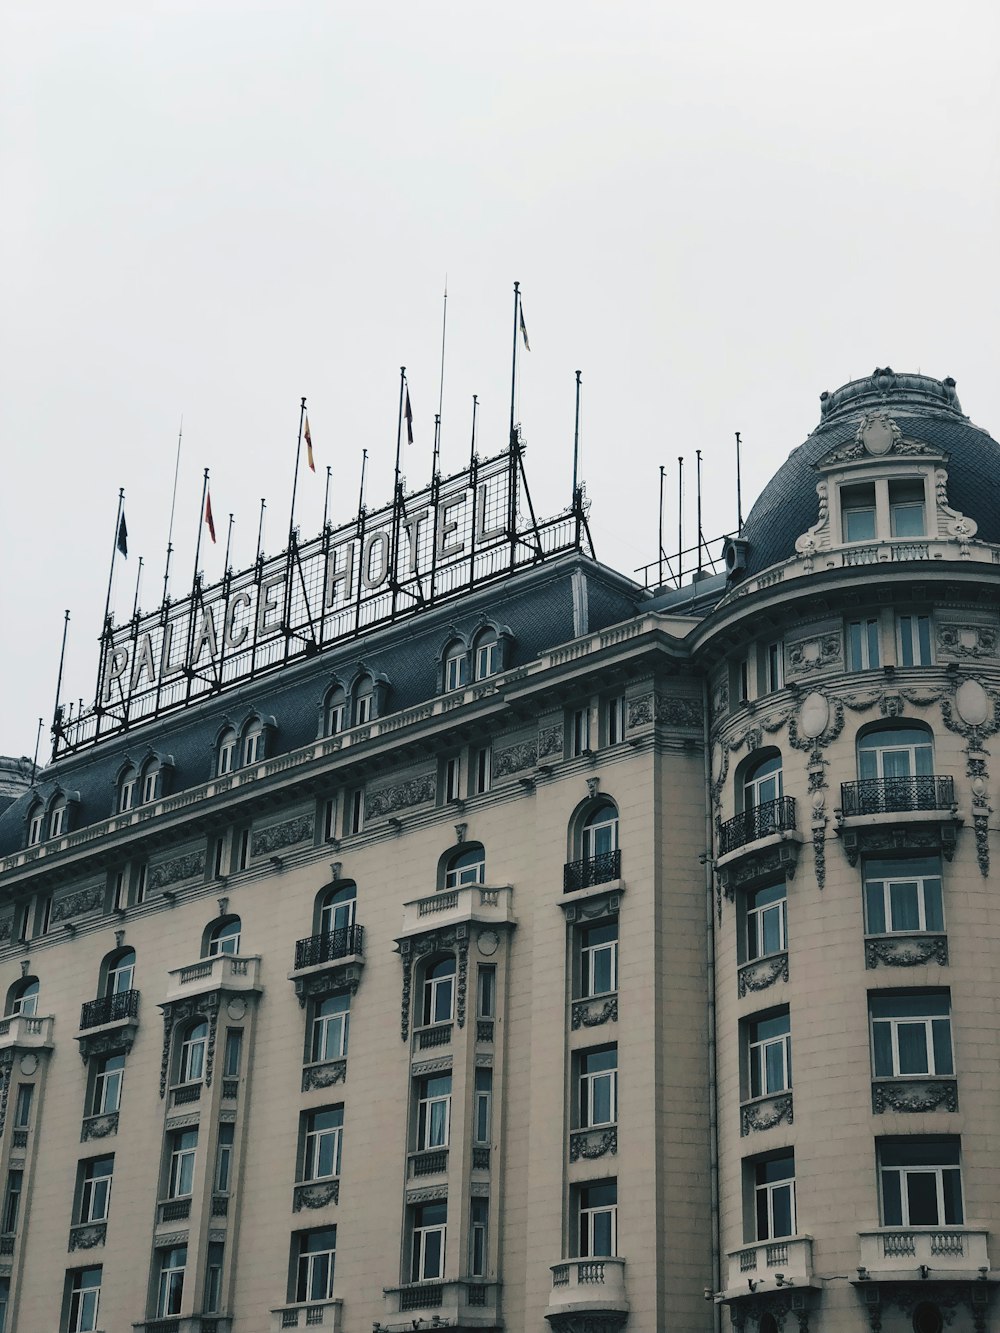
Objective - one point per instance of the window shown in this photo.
(921, 1182)
(95, 1188)
(57, 818)
(322, 1138)
(769, 1055)
(226, 754)
(453, 778)
(862, 645)
(903, 895)
(121, 972)
(486, 991)
(911, 1033)
(483, 1108)
(141, 876)
(151, 781)
(430, 1226)
(598, 959)
(337, 909)
(5, 1302)
(356, 811)
(126, 790)
(765, 922)
(597, 1211)
(43, 915)
(467, 866)
(192, 1056)
(253, 744)
(857, 510)
(170, 1287)
(914, 635)
(743, 680)
(335, 712)
(315, 1253)
(108, 1076)
(233, 1053)
(213, 1277)
(120, 900)
(22, 1112)
(774, 1197)
(433, 1112)
(579, 739)
(598, 1087)
(906, 508)
(762, 783)
(479, 1216)
(600, 832)
(486, 654)
(330, 1022)
(180, 1171)
(456, 667)
(774, 667)
(35, 824)
(224, 1157)
(482, 770)
(896, 752)
(439, 992)
(23, 997)
(364, 701)
(12, 1201)
(84, 1301)
(223, 937)
(614, 719)
(242, 838)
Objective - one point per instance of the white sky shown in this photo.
(715, 211)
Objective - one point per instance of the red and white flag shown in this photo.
(208, 515)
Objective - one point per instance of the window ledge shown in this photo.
(915, 1092)
(315, 1193)
(221, 972)
(906, 949)
(462, 1303)
(595, 901)
(944, 1251)
(755, 862)
(762, 1113)
(315, 1314)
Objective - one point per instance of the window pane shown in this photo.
(953, 1214)
(875, 907)
(603, 1233)
(781, 1206)
(772, 932)
(922, 1198)
(882, 1039)
(904, 906)
(933, 910)
(941, 1028)
(892, 1205)
(775, 1066)
(912, 1039)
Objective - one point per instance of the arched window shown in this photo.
(127, 784)
(456, 665)
(22, 998)
(902, 751)
(253, 742)
(119, 972)
(335, 711)
(193, 1047)
(225, 753)
(223, 936)
(439, 992)
(58, 817)
(36, 823)
(762, 781)
(599, 832)
(337, 909)
(486, 654)
(467, 865)
(150, 783)
(364, 700)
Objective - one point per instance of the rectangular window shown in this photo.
(329, 820)
(580, 732)
(224, 1157)
(253, 747)
(4, 1302)
(34, 838)
(12, 1201)
(911, 1033)
(213, 1276)
(906, 508)
(453, 779)
(149, 784)
(857, 509)
(180, 1172)
(765, 922)
(862, 645)
(22, 1107)
(322, 1139)
(914, 635)
(921, 1182)
(219, 857)
(84, 1301)
(598, 960)
(330, 1022)
(108, 1085)
(315, 1253)
(774, 1197)
(433, 1112)
(615, 719)
(126, 796)
(141, 877)
(430, 1227)
(598, 1087)
(57, 821)
(170, 1287)
(44, 915)
(243, 849)
(769, 1055)
(227, 755)
(95, 1189)
(356, 811)
(482, 770)
(363, 709)
(597, 1213)
(233, 1056)
(483, 1109)
(120, 899)
(903, 895)
(479, 1217)
(774, 667)
(486, 991)
(743, 680)
(456, 671)
(486, 660)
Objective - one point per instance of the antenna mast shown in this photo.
(173, 507)
(739, 493)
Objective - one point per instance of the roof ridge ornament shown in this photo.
(878, 433)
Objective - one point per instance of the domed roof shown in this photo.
(927, 410)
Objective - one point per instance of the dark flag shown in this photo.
(208, 515)
(524, 331)
(122, 542)
(408, 413)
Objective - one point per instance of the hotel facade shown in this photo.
(489, 941)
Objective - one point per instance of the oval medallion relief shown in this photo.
(972, 703)
(814, 715)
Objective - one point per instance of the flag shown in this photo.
(408, 413)
(208, 515)
(524, 331)
(122, 542)
(309, 448)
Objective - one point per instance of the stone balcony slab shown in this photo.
(770, 1265)
(588, 1288)
(225, 971)
(480, 903)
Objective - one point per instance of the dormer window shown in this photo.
(857, 507)
(906, 508)
(883, 509)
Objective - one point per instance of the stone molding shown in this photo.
(906, 950)
(766, 1112)
(324, 1075)
(274, 837)
(316, 1195)
(594, 1012)
(589, 1144)
(914, 1094)
(762, 972)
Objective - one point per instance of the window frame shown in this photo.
(937, 1171)
(104, 1081)
(589, 953)
(465, 865)
(317, 1142)
(589, 1209)
(927, 888)
(767, 1192)
(182, 1152)
(220, 934)
(933, 1029)
(756, 921)
(759, 1047)
(321, 1024)
(95, 1189)
(422, 1236)
(596, 1083)
(83, 1313)
(433, 1122)
(170, 1281)
(225, 1148)
(864, 649)
(192, 1052)
(311, 1265)
(914, 643)
(433, 986)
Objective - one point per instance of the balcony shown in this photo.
(760, 821)
(591, 871)
(331, 960)
(466, 1303)
(26, 1032)
(315, 1314)
(192, 1323)
(588, 1288)
(452, 907)
(906, 1252)
(436, 1034)
(222, 972)
(758, 845)
(769, 1265)
(884, 816)
(888, 796)
(109, 1023)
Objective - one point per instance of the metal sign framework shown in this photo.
(460, 533)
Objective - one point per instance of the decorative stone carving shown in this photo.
(119, 1041)
(324, 1075)
(765, 1113)
(640, 711)
(981, 824)
(335, 979)
(762, 972)
(888, 839)
(315, 1196)
(89, 1236)
(99, 1127)
(550, 741)
(75, 904)
(412, 948)
(422, 1067)
(957, 525)
(668, 710)
(515, 758)
(606, 1321)
(816, 538)
(819, 850)
(427, 1194)
(814, 715)
(487, 942)
(824, 652)
(966, 642)
(264, 841)
(934, 1094)
(947, 1296)
(400, 795)
(906, 950)
(179, 1011)
(594, 1013)
(6, 928)
(756, 866)
(189, 866)
(591, 1143)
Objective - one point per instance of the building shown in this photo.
(458, 934)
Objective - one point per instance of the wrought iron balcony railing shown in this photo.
(600, 869)
(109, 1009)
(329, 946)
(885, 796)
(758, 822)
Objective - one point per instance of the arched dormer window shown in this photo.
(465, 865)
(900, 750)
(58, 820)
(118, 972)
(222, 936)
(486, 654)
(761, 780)
(36, 825)
(335, 718)
(253, 743)
(438, 992)
(128, 782)
(22, 998)
(151, 786)
(363, 699)
(455, 666)
(192, 1051)
(225, 752)
(336, 909)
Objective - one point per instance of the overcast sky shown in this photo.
(210, 209)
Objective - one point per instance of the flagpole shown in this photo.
(201, 524)
(399, 424)
(472, 451)
(229, 538)
(444, 329)
(739, 493)
(57, 711)
(576, 440)
(663, 472)
(38, 741)
(361, 493)
(173, 507)
(697, 454)
(138, 580)
(326, 497)
(295, 480)
(680, 521)
(398, 486)
(114, 551)
(512, 448)
(475, 497)
(260, 530)
(435, 465)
